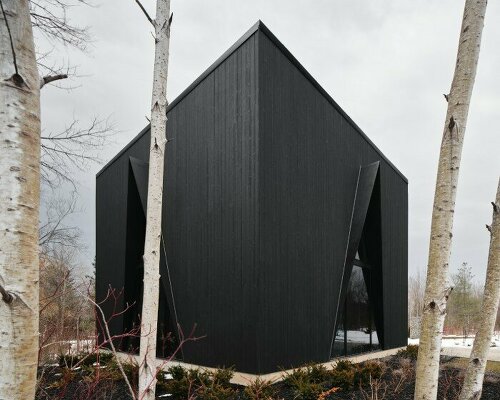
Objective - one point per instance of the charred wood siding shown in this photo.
(112, 268)
(209, 212)
(211, 201)
(259, 188)
(310, 153)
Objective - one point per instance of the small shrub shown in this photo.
(406, 365)
(85, 359)
(318, 373)
(260, 389)
(68, 360)
(308, 391)
(112, 373)
(369, 370)
(294, 377)
(177, 372)
(343, 379)
(204, 385)
(183, 382)
(450, 383)
(102, 374)
(103, 358)
(410, 352)
(223, 376)
(342, 375)
(315, 373)
(401, 375)
(131, 369)
(378, 390)
(344, 365)
(67, 375)
(214, 391)
(308, 382)
(327, 393)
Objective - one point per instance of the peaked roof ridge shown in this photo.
(260, 26)
(314, 82)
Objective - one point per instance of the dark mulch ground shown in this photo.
(56, 383)
(450, 382)
(53, 384)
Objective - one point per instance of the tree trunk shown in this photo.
(19, 202)
(473, 383)
(147, 367)
(437, 287)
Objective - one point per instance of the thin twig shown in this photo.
(183, 340)
(145, 12)
(10, 36)
(113, 349)
(50, 17)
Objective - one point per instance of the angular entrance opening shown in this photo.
(167, 334)
(359, 319)
(356, 331)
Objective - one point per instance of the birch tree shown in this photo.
(151, 294)
(437, 285)
(473, 383)
(19, 201)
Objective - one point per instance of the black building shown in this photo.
(284, 227)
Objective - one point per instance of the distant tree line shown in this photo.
(464, 304)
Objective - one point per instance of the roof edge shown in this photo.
(264, 29)
(259, 26)
(255, 27)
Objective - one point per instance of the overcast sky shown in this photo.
(386, 63)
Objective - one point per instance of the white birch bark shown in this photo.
(147, 367)
(19, 202)
(437, 287)
(473, 383)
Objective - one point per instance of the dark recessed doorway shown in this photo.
(356, 332)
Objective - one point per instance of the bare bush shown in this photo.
(450, 383)
(402, 376)
(66, 318)
(377, 389)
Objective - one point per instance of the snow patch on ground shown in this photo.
(459, 347)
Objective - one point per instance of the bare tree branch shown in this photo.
(145, 12)
(10, 37)
(49, 67)
(51, 78)
(6, 296)
(74, 147)
(54, 231)
(50, 18)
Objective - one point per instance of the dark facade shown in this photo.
(273, 199)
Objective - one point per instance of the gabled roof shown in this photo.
(259, 26)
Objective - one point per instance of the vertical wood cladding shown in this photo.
(310, 154)
(211, 207)
(111, 228)
(259, 188)
(209, 212)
